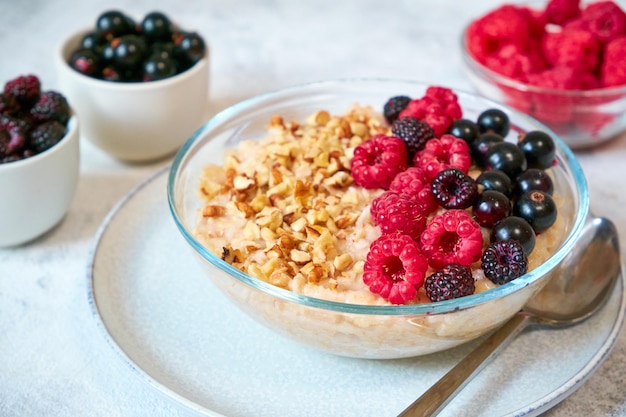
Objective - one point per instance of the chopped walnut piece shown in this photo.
(213, 211)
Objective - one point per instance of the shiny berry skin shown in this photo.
(394, 106)
(191, 48)
(464, 129)
(157, 68)
(130, 51)
(533, 179)
(537, 208)
(495, 121)
(516, 228)
(414, 132)
(480, 146)
(506, 157)
(156, 26)
(453, 189)
(452, 281)
(93, 41)
(395, 268)
(539, 149)
(503, 261)
(112, 24)
(490, 207)
(86, 62)
(496, 180)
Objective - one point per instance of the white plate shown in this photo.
(173, 329)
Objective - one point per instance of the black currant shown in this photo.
(464, 129)
(112, 24)
(129, 51)
(490, 207)
(537, 208)
(496, 180)
(86, 62)
(158, 68)
(156, 26)
(506, 157)
(494, 120)
(93, 41)
(191, 47)
(539, 149)
(516, 228)
(481, 145)
(533, 179)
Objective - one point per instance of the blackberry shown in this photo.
(394, 106)
(503, 261)
(464, 129)
(452, 281)
(539, 149)
(454, 189)
(514, 228)
(537, 208)
(25, 89)
(45, 135)
(51, 106)
(495, 121)
(414, 132)
(8, 105)
(14, 135)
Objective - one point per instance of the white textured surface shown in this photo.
(53, 359)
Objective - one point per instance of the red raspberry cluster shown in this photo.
(565, 46)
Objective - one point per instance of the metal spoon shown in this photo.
(581, 284)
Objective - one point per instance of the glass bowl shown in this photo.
(363, 331)
(581, 118)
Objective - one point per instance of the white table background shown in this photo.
(53, 359)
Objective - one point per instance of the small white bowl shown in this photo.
(39, 190)
(135, 122)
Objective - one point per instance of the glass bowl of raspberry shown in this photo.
(140, 88)
(39, 159)
(559, 62)
(326, 213)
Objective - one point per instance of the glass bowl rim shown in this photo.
(439, 307)
(496, 78)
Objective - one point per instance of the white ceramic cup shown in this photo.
(135, 122)
(38, 191)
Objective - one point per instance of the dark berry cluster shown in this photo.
(432, 200)
(120, 49)
(31, 120)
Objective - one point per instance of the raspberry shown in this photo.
(25, 89)
(414, 132)
(393, 107)
(453, 189)
(14, 136)
(8, 105)
(613, 69)
(561, 11)
(442, 94)
(51, 106)
(452, 281)
(452, 237)
(503, 261)
(510, 61)
(446, 152)
(433, 110)
(393, 212)
(377, 161)
(46, 135)
(563, 78)
(478, 43)
(395, 268)
(604, 20)
(575, 49)
(414, 182)
(505, 25)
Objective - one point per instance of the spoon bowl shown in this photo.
(580, 286)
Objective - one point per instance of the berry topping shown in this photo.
(25, 89)
(393, 212)
(507, 157)
(452, 281)
(413, 182)
(503, 261)
(452, 237)
(516, 228)
(454, 189)
(445, 152)
(495, 180)
(464, 129)
(377, 161)
(539, 149)
(51, 106)
(490, 207)
(533, 179)
(395, 268)
(537, 208)
(394, 106)
(414, 132)
(46, 135)
(494, 121)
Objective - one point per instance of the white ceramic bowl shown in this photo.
(39, 190)
(365, 331)
(135, 122)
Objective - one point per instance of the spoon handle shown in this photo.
(439, 395)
